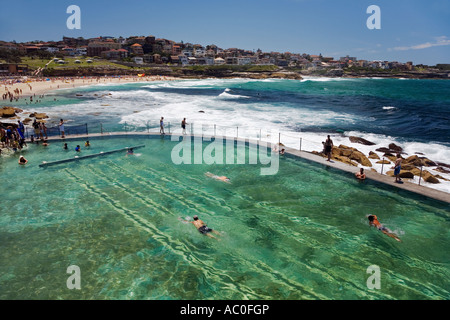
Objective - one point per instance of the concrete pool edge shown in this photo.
(371, 175)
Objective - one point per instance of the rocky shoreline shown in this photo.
(412, 166)
(203, 72)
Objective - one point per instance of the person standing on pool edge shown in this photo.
(328, 147)
(161, 126)
(61, 128)
(398, 168)
(183, 125)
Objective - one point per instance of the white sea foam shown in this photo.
(324, 79)
(228, 94)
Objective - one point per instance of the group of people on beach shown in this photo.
(14, 95)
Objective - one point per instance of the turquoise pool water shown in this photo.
(300, 234)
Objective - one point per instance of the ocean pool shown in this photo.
(300, 234)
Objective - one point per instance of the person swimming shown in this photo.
(373, 221)
(202, 228)
(22, 160)
(216, 177)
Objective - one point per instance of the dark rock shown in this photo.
(9, 112)
(428, 177)
(406, 174)
(383, 149)
(395, 147)
(420, 161)
(441, 164)
(441, 169)
(428, 163)
(40, 116)
(361, 141)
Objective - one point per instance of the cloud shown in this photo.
(439, 41)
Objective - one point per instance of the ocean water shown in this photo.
(414, 114)
(300, 234)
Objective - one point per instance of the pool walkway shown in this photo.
(408, 186)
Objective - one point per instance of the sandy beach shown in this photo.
(40, 86)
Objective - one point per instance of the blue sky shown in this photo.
(411, 30)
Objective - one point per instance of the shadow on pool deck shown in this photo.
(375, 176)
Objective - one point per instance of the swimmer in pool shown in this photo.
(201, 227)
(360, 175)
(22, 160)
(130, 151)
(223, 178)
(373, 221)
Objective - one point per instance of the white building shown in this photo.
(52, 49)
(219, 61)
(243, 61)
(184, 60)
(138, 60)
(81, 51)
(187, 52)
(199, 52)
